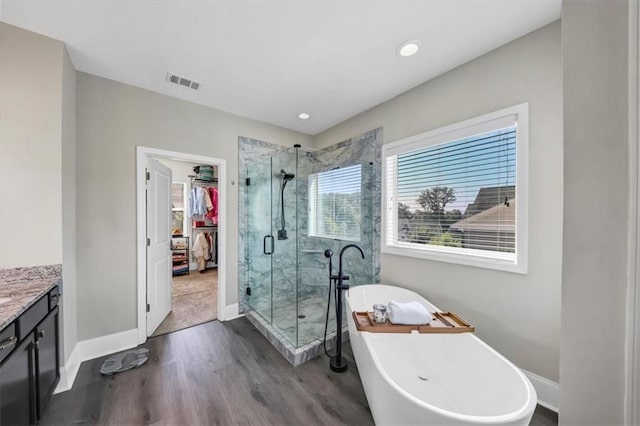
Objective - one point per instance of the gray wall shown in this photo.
(594, 36)
(37, 161)
(69, 252)
(519, 315)
(112, 119)
(30, 148)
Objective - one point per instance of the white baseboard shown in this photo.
(230, 312)
(69, 371)
(548, 391)
(109, 344)
(94, 348)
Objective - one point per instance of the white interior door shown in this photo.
(158, 244)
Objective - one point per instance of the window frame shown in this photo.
(314, 204)
(450, 133)
(185, 201)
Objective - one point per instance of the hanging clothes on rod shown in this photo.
(213, 213)
(210, 254)
(204, 209)
(205, 248)
(199, 201)
(201, 250)
(203, 198)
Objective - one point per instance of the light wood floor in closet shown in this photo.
(195, 301)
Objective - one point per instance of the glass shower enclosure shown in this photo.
(299, 204)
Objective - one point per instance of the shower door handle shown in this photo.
(264, 244)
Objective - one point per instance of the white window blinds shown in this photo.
(335, 203)
(455, 191)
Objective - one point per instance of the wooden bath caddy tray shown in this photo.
(443, 322)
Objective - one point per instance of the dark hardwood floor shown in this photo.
(218, 373)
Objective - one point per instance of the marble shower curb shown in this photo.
(295, 356)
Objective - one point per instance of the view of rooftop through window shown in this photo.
(460, 193)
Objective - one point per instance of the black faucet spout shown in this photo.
(352, 246)
(348, 246)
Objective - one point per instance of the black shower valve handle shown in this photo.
(337, 277)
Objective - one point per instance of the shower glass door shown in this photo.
(271, 242)
(285, 254)
(259, 238)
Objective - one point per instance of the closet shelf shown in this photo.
(180, 255)
(205, 227)
(195, 180)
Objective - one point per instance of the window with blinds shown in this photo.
(458, 193)
(335, 204)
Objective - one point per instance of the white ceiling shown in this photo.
(272, 60)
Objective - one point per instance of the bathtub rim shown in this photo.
(529, 405)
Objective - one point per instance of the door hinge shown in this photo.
(248, 291)
(147, 175)
(148, 307)
(148, 242)
(247, 181)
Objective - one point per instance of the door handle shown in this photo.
(264, 245)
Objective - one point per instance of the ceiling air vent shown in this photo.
(176, 79)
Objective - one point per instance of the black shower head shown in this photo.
(287, 176)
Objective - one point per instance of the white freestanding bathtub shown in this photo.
(467, 382)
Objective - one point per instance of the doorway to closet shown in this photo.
(181, 264)
(194, 245)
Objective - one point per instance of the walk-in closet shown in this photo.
(194, 245)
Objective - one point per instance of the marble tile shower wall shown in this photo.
(284, 253)
(283, 260)
(259, 158)
(364, 150)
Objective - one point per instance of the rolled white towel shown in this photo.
(410, 313)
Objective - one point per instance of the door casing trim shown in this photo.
(632, 349)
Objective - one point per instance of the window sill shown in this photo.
(324, 237)
(459, 259)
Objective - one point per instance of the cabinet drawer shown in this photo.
(54, 297)
(8, 340)
(36, 313)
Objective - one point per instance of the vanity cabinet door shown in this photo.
(17, 390)
(47, 373)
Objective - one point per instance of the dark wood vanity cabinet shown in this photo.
(17, 386)
(46, 360)
(29, 369)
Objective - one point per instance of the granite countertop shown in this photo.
(24, 286)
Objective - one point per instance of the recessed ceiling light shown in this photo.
(304, 116)
(408, 48)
